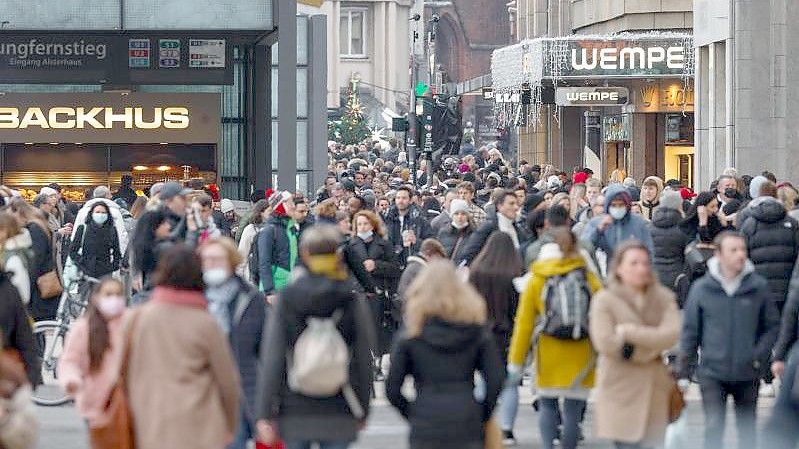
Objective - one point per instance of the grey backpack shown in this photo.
(566, 302)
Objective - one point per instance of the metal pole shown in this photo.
(412, 133)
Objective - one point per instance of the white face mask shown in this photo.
(111, 306)
(215, 277)
(366, 235)
(99, 217)
(617, 212)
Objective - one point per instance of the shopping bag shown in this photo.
(493, 435)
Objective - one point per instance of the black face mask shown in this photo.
(731, 193)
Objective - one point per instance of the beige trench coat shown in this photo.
(183, 383)
(632, 396)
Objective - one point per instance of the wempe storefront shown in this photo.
(82, 109)
(621, 104)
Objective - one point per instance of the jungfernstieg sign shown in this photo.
(110, 118)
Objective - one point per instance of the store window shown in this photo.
(352, 33)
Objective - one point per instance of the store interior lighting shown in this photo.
(139, 168)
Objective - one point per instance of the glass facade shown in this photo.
(303, 94)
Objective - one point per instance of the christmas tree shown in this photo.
(352, 127)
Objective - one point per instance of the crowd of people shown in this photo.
(274, 324)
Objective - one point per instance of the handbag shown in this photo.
(116, 430)
(676, 402)
(493, 435)
(49, 285)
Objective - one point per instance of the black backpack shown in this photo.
(253, 258)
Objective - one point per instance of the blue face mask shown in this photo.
(366, 235)
(100, 217)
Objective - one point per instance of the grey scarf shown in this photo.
(219, 299)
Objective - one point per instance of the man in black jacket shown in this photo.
(730, 317)
(504, 221)
(406, 225)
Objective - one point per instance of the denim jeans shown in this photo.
(714, 402)
(508, 407)
(552, 417)
(322, 444)
(243, 434)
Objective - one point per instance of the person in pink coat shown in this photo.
(89, 366)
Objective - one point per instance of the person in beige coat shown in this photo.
(632, 322)
(183, 383)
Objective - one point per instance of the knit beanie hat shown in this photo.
(580, 177)
(670, 199)
(458, 205)
(756, 185)
(277, 200)
(554, 182)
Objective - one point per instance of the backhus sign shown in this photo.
(109, 118)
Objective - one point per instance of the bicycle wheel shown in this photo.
(50, 337)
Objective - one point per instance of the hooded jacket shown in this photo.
(647, 208)
(558, 362)
(277, 254)
(669, 243)
(442, 361)
(301, 417)
(630, 227)
(772, 239)
(16, 259)
(115, 215)
(733, 322)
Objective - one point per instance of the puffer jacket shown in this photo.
(669, 242)
(772, 239)
(735, 331)
(442, 361)
(454, 240)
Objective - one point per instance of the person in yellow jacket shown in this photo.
(564, 367)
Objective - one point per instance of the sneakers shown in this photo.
(507, 438)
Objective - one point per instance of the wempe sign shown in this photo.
(625, 57)
(109, 118)
(591, 96)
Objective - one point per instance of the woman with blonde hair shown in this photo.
(632, 322)
(579, 200)
(788, 195)
(446, 340)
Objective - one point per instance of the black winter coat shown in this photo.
(387, 270)
(414, 221)
(736, 333)
(669, 242)
(772, 239)
(454, 240)
(42, 262)
(789, 327)
(273, 249)
(100, 255)
(16, 329)
(442, 362)
(479, 238)
(301, 417)
(249, 312)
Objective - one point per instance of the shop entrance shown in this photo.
(78, 167)
(679, 148)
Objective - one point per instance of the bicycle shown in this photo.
(50, 335)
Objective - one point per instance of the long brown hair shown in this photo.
(29, 214)
(618, 257)
(99, 337)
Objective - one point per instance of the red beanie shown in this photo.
(580, 177)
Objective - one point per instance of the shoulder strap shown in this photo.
(125, 355)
